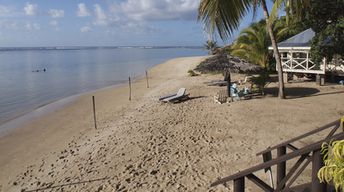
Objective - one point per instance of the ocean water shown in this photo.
(70, 72)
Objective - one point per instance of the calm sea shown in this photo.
(70, 72)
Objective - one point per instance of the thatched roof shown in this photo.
(222, 61)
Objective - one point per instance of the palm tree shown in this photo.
(225, 16)
(211, 46)
(276, 52)
(284, 30)
(252, 44)
(294, 9)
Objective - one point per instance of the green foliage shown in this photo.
(326, 18)
(223, 15)
(286, 28)
(259, 82)
(211, 46)
(333, 170)
(252, 44)
(294, 10)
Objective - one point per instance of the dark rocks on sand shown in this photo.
(221, 61)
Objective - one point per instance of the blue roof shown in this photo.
(302, 39)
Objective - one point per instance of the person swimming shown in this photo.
(44, 70)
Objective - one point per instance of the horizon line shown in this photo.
(59, 46)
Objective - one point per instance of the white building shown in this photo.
(295, 57)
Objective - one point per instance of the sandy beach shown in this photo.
(146, 145)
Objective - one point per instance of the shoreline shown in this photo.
(18, 120)
(40, 111)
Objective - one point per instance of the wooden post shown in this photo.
(227, 77)
(285, 77)
(325, 65)
(147, 79)
(316, 165)
(94, 112)
(267, 157)
(307, 62)
(239, 185)
(317, 79)
(291, 59)
(281, 167)
(129, 89)
(290, 76)
(320, 80)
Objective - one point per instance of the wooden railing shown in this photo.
(305, 155)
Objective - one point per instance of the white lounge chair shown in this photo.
(181, 95)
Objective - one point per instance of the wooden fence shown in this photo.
(305, 155)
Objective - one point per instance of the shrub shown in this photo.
(260, 82)
(333, 170)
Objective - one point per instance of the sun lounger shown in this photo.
(181, 95)
(167, 96)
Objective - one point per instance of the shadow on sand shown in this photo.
(298, 92)
(185, 99)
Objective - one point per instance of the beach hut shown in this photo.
(295, 58)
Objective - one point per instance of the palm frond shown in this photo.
(223, 15)
(252, 44)
(274, 11)
(333, 170)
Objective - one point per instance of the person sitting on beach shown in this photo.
(234, 91)
(236, 94)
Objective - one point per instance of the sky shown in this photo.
(36, 23)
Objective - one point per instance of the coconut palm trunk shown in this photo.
(276, 52)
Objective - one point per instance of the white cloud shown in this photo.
(100, 16)
(85, 29)
(30, 9)
(134, 16)
(32, 26)
(7, 24)
(36, 26)
(56, 13)
(4, 10)
(138, 27)
(158, 9)
(53, 23)
(82, 10)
